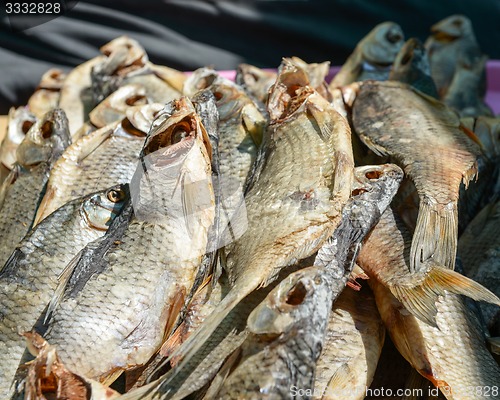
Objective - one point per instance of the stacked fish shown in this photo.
(170, 237)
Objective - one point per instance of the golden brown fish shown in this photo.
(46, 96)
(255, 81)
(423, 135)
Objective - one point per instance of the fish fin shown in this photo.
(196, 340)
(63, 280)
(218, 380)
(420, 299)
(176, 307)
(435, 235)
(494, 343)
(254, 123)
(376, 148)
(9, 180)
(341, 380)
(471, 135)
(112, 376)
(43, 210)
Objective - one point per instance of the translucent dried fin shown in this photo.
(420, 299)
(341, 382)
(218, 381)
(417, 387)
(63, 279)
(436, 235)
(8, 182)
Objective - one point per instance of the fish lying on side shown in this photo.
(105, 157)
(46, 96)
(373, 56)
(479, 250)
(30, 276)
(452, 43)
(424, 136)
(19, 122)
(22, 190)
(151, 259)
(373, 189)
(411, 66)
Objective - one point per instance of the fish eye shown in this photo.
(47, 129)
(357, 192)
(393, 37)
(373, 174)
(135, 100)
(457, 23)
(26, 126)
(115, 196)
(296, 295)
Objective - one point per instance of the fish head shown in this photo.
(452, 28)
(412, 56)
(382, 44)
(100, 208)
(376, 185)
(229, 99)
(46, 140)
(114, 107)
(124, 55)
(200, 79)
(141, 117)
(304, 297)
(289, 92)
(53, 79)
(487, 129)
(258, 79)
(19, 123)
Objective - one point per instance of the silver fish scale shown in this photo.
(19, 208)
(26, 290)
(112, 163)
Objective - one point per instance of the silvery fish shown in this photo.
(373, 56)
(125, 292)
(30, 276)
(22, 190)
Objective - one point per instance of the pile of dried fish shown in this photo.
(166, 236)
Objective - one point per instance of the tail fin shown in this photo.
(420, 299)
(436, 235)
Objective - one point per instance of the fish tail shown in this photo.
(420, 299)
(435, 235)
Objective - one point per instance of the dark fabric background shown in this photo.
(187, 34)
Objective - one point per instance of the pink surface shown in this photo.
(492, 75)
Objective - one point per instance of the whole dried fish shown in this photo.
(30, 276)
(101, 329)
(424, 136)
(373, 56)
(21, 192)
(255, 81)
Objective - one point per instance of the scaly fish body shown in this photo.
(30, 277)
(353, 343)
(372, 57)
(117, 318)
(393, 119)
(20, 193)
(479, 249)
(411, 66)
(105, 157)
(46, 96)
(20, 120)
